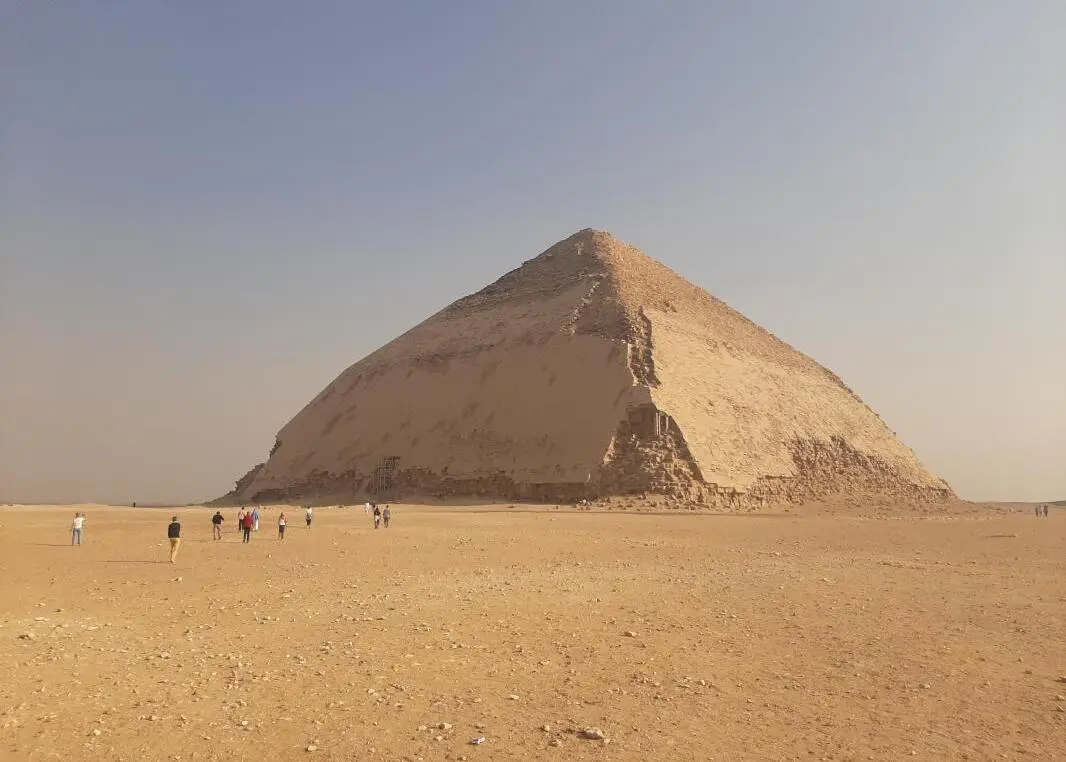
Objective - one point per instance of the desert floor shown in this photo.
(681, 637)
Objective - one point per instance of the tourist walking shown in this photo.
(310, 514)
(216, 525)
(366, 508)
(174, 535)
(246, 526)
(281, 526)
(255, 519)
(377, 517)
(77, 527)
(386, 515)
(240, 519)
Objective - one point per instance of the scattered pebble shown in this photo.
(593, 734)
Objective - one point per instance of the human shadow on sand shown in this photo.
(134, 562)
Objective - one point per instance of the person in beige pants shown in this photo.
(174, 534)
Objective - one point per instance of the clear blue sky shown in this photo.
(208, 210)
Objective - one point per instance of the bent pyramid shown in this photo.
(590, 371)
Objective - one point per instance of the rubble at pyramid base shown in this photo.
(646, 468)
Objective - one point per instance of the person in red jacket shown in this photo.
(246, 525)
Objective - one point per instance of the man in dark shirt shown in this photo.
(174, 534)
(216, 525)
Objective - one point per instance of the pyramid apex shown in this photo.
(587, 241)
(593, 233)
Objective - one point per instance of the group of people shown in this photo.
(1041, 510)
(247, 522)
(379, 515)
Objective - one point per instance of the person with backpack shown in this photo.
(174, 535)
(216, 525)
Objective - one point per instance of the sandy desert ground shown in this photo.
(680, 637)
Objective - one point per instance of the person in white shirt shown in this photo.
(76, 528)
(310, 515)
(366, 508)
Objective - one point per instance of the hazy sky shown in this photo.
(208, 210)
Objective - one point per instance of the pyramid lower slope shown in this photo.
(759, 428)
(592, 370)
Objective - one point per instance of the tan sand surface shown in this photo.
(681, 637)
